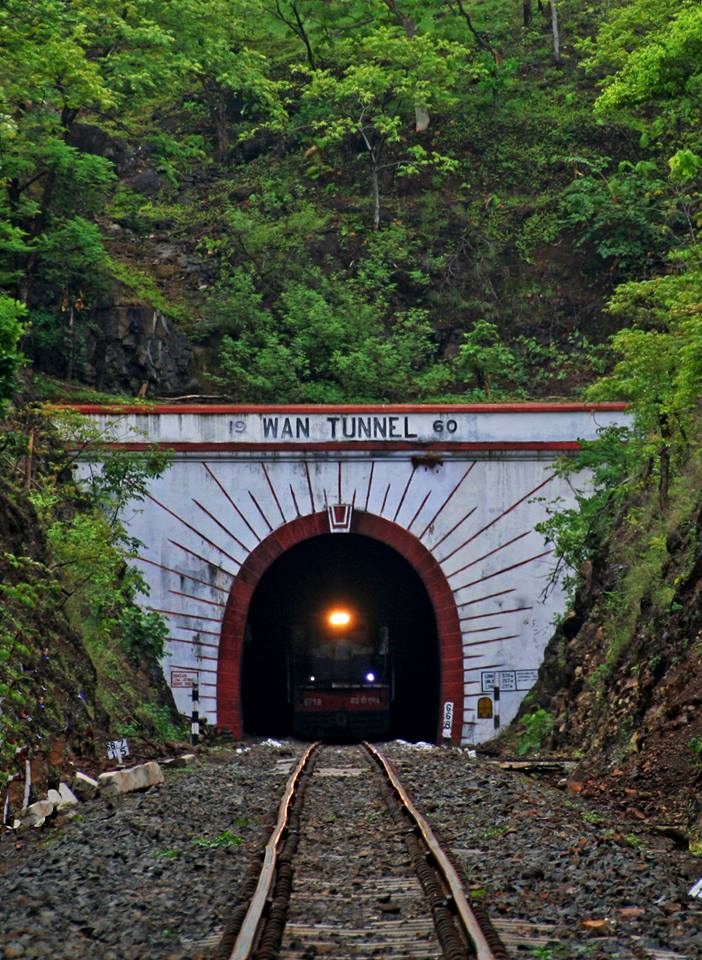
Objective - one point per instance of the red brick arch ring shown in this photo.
(303, 528)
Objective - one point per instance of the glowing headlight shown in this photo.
(312, 679)
(339, 618)
(370, 677)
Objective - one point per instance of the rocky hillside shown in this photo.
(78, 660)
(621, 685)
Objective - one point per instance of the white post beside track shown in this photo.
(195, 713)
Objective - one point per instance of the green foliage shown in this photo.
(628, 216)
(143, 634)
(11, 329)
(19, 602)
(537, 727)
(484, 357)
(226, 839)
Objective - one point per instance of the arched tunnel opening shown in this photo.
(377, 583)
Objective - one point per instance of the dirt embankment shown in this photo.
(622, 676)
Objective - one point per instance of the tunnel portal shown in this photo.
(369, 577)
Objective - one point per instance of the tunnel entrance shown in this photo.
(370, 577)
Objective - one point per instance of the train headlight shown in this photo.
(339, 618)
(370, 677)
(312, 679)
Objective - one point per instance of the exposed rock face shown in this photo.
(136, 345)
(634, 714)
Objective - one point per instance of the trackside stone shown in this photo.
(115, 782)
(36, 813)
(84, 787)
(67, 797)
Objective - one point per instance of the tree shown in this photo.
(11, 329)
(373, 94)
(484, 357)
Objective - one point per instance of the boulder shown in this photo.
(84, 787)
(36, 813)
(115, 782)
(67, 797)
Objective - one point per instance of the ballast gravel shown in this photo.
(151, 876)
(146, 875)
(599, 888)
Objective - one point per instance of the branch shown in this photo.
(298, 28)
(482, 39)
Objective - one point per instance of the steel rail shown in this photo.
(246, 938)
(465, 915)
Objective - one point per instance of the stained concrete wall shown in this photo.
(467, 484)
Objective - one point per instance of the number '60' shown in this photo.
(450, 426)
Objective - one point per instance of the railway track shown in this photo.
(353, 870)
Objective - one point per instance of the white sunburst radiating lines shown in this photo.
(482, 535)
(197, 562)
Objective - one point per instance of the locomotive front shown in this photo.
(340, 677)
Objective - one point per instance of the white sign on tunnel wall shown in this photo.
(448, 719)
(508, 680)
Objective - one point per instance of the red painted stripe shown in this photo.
(207, 633)
(479, 643)
(193, 643)
(453, 528)
(222, 528)
(446, 501)
(238, 511)
(418, 446)
(294, 500)
(490, 554)
(497, 519)
(387, 491)
(189, 596)
(275, 495)
(404, 494)
(484, 666)
(199, 556)
(190, 616)
(180, 573)
(496, 613)
(497, 573)
(370, 481)
(204, 669)
(419, 510)
(191, 668)
(309, 486)
(339, 483)
(263, 516)
(192, 529)
(147, 410)
(481, 630)
(489, 596)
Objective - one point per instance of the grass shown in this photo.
(225, 839)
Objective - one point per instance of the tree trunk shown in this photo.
(376, 197)
(222, 126)
(526, 8)
(556, 35)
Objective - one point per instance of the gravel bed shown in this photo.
(147, 875)
(534, 853)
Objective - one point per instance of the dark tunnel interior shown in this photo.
(372, 578)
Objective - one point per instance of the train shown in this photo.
(340, 677)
